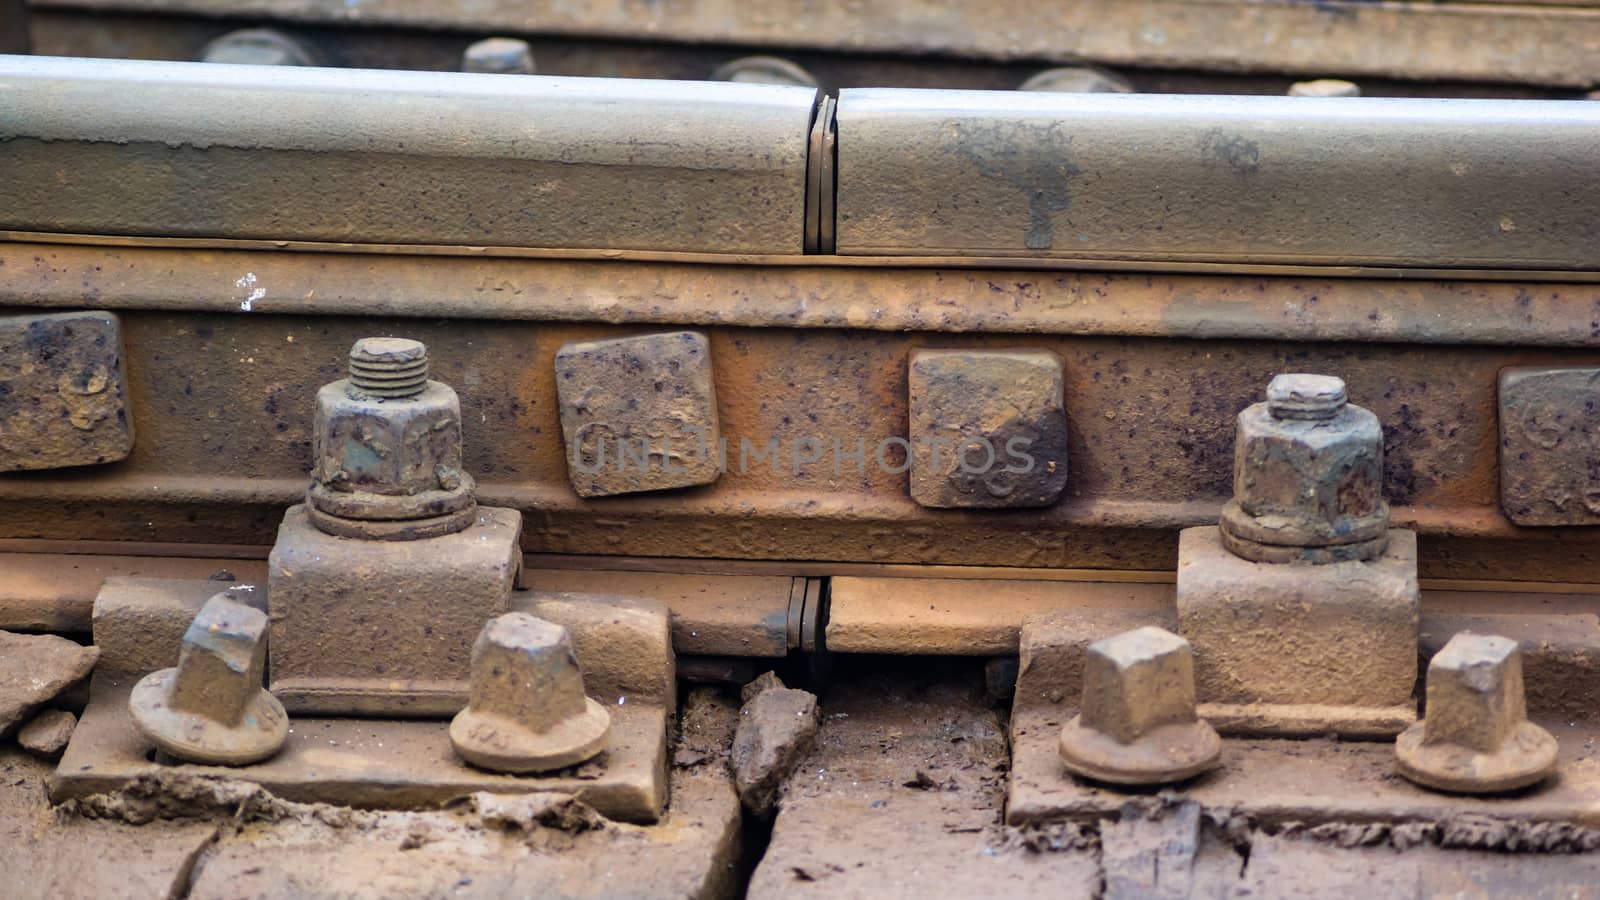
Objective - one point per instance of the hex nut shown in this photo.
(258, 47)
(1549, 439)
(1325, 87)
(764, 70)
(63, 391)
(1476, 737)
(988, 428)
(1307, 477)
(211, 708)
(387, 445)
(1078, 80)
(638, 413)
(498, 56)
(528, 711)
(1137, 723)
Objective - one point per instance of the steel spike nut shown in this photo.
(527, 711)
(212, 708)
(1138, 724)
(1476, 737)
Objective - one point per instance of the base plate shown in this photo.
(372, 763)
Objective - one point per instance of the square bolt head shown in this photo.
(638, 413)
(988, 428)
(524, 669)
(1549, 444)
(1136, 681)
(1475, 693)
(222, 661)
(63, 391)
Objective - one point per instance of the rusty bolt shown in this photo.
(1137, 724)
(212, 708)
(764, 70)
(1077, 80)
(528, 711)
(1307, 477)
(387, 444)
(498, 56)
(258, 47)
(1325, 87)
(1476, 737)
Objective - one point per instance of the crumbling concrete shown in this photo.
(902, 797)
(34, 668)
(777, 727)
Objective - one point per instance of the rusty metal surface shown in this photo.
(1337, 181)
(1290, 650)
(718, 608)
(56, 591)
(226, 444)
(654, 395)
(404, 157)
(977, 612)
(1547, 44)
(372, 763)
(987, 430)
(1549, 444)
(63, 391)
(376, 627)
(528, 711)
(712, 615)
(876, 294)
(139, 623)
(1276, 781)
(212, 708)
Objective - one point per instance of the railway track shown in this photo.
(791, 300)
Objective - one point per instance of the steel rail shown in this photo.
(188, 149)
(185, 150)
(1322, 181)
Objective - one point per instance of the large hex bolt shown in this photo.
(212, 708)
(1476, 737)
(1137, 724)
(387, 444)
(1307, 477)
(528, 711)
(258, 47)
(498, 56)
